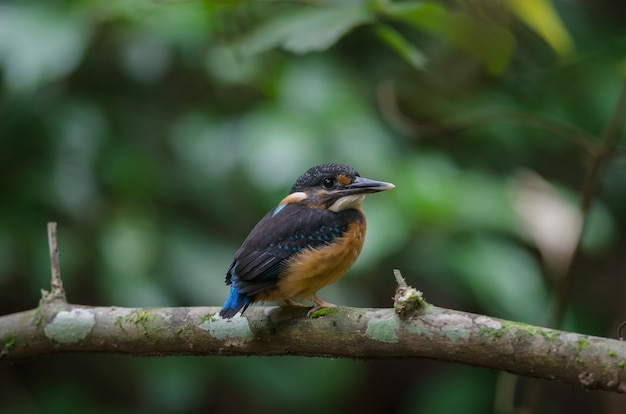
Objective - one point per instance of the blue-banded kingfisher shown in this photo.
(308, 241)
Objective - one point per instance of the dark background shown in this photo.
(156, 139)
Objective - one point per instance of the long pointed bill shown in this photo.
(363, 185)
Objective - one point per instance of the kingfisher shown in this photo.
(308, 241)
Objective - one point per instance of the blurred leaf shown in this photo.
(489, 42)
(80, 128)
(472, 392)
(275, 153)
(319, 390)
(443, 195)
(306, 30)
(504, 278)
(196, 265)
(185, 24)
(225, 64)
(6, 255)
(178, 390)
(386, 233)
(550, 220)
(129, 244)
(129, 248)
(128, 170)
(203, 147)
(544, 20)
(146, 58)
(403, 47)
(38, 44)
(430, 178)
(600, 229)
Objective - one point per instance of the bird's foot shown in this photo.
(291, 302)
(321, 304)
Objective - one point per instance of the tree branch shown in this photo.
(431, 332)
(57, 293)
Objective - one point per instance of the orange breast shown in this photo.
(312, 269)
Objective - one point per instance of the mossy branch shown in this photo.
(411, 329)
(343, 332)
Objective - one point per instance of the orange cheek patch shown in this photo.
(343, 179)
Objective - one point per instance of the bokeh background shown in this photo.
(156, 133)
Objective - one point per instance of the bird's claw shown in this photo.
(321, 304)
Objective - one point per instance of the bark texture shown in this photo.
(428, 332)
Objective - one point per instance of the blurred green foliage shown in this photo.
(158, 132)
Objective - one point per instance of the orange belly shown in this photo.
(312, 269)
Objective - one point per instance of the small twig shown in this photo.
(399, 278)
(603, 153)
(57, 292)
(606, 150)
(619, 331)
(57, 284)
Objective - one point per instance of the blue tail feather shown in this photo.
(235, 303)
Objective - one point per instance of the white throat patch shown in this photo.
(351, 201)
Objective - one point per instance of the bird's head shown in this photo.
(334, 187)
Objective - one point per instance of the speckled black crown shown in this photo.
(314, 175)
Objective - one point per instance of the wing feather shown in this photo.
(277, 237)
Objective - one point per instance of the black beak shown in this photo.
(363, 185)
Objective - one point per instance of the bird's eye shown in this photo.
(328, 183)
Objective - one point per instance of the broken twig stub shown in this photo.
(57, 292)
(407, 300)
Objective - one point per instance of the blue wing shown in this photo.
(282, 233)
(277, 237)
